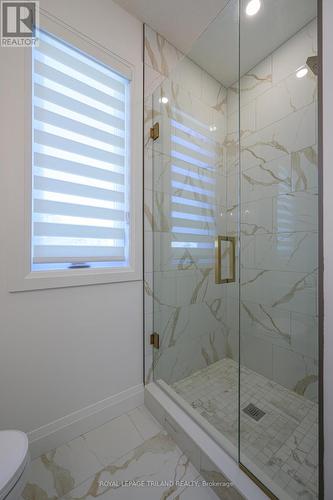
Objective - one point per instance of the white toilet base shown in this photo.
(16, 491)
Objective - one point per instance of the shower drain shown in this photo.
(254, 412)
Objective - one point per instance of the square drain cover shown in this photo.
(254, 412)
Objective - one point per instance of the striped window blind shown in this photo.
(193, 178)
(80, 160)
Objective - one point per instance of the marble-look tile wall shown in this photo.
(185, 207)
(279, 170)
(198, 320)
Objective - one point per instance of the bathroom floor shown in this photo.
(282, 444)
(101, 463)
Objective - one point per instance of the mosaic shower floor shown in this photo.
(282, 444)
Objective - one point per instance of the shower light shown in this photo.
(163, 100)
(253, 7)
(301, 72)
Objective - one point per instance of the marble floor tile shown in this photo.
(144, 422)
(152, 468)
(113, 439)
(57, 472)
(197, 492)
(156, 469)
(283, 445)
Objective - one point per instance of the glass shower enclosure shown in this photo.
(235, 261)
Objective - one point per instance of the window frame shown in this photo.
(22, 277)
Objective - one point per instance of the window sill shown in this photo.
(41, 280)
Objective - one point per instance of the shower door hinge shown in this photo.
(155, 340)
(155, 131)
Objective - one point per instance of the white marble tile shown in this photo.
(304, 334)
(185, 443)
(283, 290)
(148, 292)
(284, 98)
(148, 330)
(286, 434)
(113, 439)
(295, 212)
(148, 210)
(232, 100)
(231, 321)
(159, 53)
(267, 179)
(256, 81)
(174, 175)
(148, 169)
(232, 191)
(213, 93)
(191, 321)
(145, 423)
(189, 75)
(149, 361)
(57, 472)
(295, 371)
(257, 354)
(265, 322)
(188, 354)
(286, 252)
(152, 80)
(232, 153)
(155, 461)
(295, 132)
(304, 165)
(257, 217)
(245, 120)
(223, 488)
(293, 54)
(188, 144)
(197, 491)
(148, 252)
(149, 116)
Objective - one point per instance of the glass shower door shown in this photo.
(195, 239)
(279, 239)
(235, 235)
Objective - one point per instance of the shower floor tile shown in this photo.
(282, 444)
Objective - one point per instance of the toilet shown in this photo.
(14, 464)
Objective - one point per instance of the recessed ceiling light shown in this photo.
(301, 72)
(212, 128)
(253, 7)
(163, 100)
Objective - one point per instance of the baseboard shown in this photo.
(65, 429)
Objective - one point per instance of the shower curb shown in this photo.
(213, 462)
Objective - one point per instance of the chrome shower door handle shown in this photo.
(218, 259)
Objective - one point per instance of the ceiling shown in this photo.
(179, 21)
(207, 30)
(216, 50)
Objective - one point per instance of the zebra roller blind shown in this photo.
(193, 178)
(80, 160)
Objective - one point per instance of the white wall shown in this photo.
(62, 350)
(328, 243)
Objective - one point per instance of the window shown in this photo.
(80, 160)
